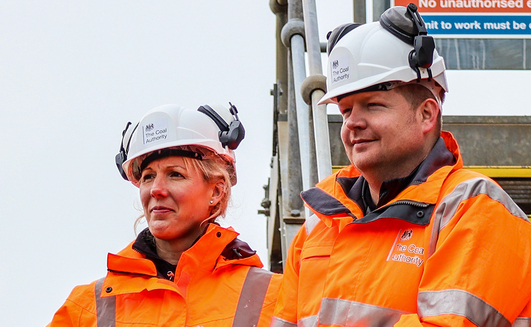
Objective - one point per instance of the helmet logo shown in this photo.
(155, 131)
(340, 70)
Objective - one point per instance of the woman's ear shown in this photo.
(218, 191)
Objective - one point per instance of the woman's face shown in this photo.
(176, 199)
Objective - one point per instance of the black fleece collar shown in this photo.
(145, 244)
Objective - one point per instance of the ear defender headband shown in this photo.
(334, 36)
(229, 135)
(121, 157)
(399, 23)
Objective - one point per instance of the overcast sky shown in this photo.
(73, 73)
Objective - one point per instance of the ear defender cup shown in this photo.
(398, 21)
(422, 56)
(233, 136)
(121, 157)
(229, 135)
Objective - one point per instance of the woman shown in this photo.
(184, 269)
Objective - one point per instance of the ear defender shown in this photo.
(230, 135)
(399, 23)
(121, 157)
(424, 45)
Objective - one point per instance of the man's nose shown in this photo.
(355, 120)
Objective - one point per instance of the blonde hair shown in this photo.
(214, 169)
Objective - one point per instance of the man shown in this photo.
(404, 236)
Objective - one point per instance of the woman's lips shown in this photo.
(160, 209)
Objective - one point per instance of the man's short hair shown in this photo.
(415, 94)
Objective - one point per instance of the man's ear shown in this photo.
(429, 112)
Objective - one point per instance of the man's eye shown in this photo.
(346, 111)
(375, 105)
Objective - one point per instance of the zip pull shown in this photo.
(170, 275)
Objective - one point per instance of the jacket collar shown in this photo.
(337, 199)
(217, 248)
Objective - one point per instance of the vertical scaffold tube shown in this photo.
(303, 112)
(293, 39)
(313, 90)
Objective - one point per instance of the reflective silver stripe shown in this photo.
(339, 312)
(522, 322)
(311, 321)
(277, 322)
(252, 297)
(105, 307)
(466, 190)
(460, 303)
(310, 223)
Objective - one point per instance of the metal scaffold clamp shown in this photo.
(277, 7)
(293, 27)
(310, 84)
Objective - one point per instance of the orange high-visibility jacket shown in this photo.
(451, 249)
(208, 290)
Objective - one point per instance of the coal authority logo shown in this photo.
(335, 64)
(405, 251)
(406, 235)
(149, 127)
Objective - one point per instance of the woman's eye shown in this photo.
(175, 174)
(147, 177)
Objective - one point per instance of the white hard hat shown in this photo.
(170, 126)
(395, 49)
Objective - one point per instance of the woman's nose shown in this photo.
(158, 188)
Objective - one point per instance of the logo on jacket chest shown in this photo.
(405, 250)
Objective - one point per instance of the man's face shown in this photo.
(382, 134)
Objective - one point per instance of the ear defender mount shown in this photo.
(422, 55)
(230, 135)
(121, 157)
(398, 23)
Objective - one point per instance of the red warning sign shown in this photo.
(469, 6)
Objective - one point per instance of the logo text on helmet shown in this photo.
(154, 131)
(340, 69)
